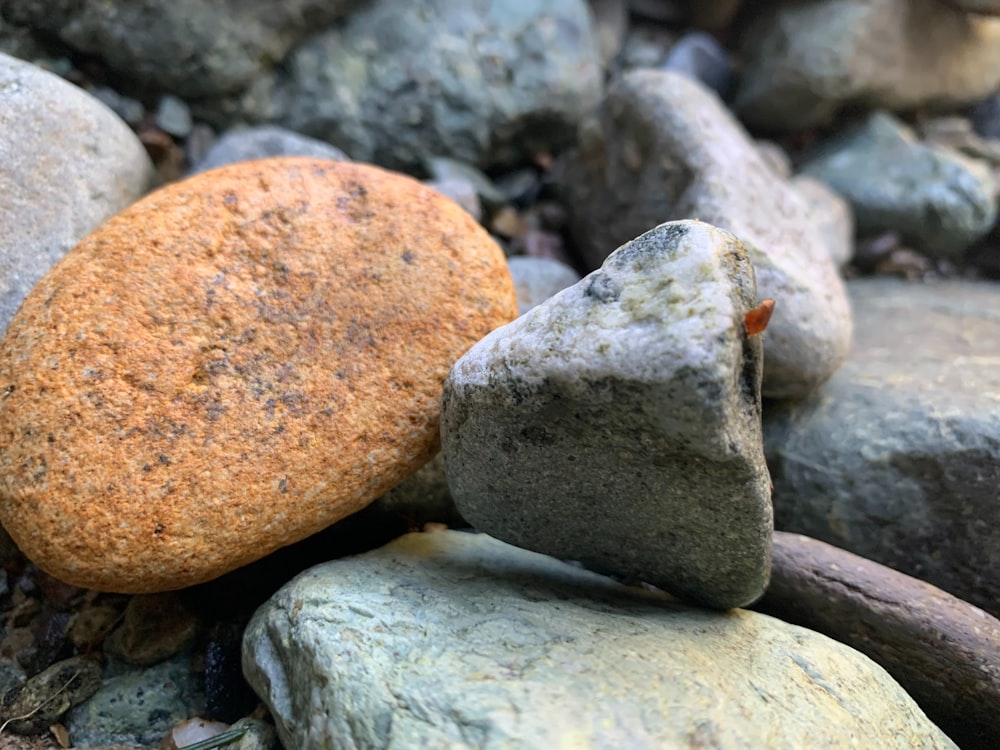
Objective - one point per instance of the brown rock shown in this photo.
(232, 364)
(942, 650)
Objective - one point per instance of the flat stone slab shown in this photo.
(618, 422)
(456, 640)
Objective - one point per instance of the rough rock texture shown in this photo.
(247, 144)
(537, 279)
(487, 82)
(618, 423)
(805, 61)
(937, 200)
(67, 163)
(232, 364)
(457, 640)
(897, 458)
(137, 707)
(42, 700)
(189, 47)
(666, 148)
(944, 652)
(831, 215)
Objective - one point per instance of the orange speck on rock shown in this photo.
(757, 319)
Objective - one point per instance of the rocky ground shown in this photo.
(247, 354)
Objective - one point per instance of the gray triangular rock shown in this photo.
(618, 423)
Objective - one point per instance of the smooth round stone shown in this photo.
(67, 163)
(232, 364)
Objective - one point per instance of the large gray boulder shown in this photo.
(938, 200)
(664, 148)
(190, 47)
(618, 423)
(897, 457)
(805, 61)
(456, 640)
(67, 163)
(400, 82)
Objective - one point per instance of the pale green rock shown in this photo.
(456, 640)
(938, 200)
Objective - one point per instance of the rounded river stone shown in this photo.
(232, 364)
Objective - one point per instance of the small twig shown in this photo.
(39, 707)
(219, 740)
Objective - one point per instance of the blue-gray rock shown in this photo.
(173, 116)
(130, 110)
(944, 652)
(462, 192)
(937, 200)
(443, 168)
(139, 706)
(618, 423)
(537, 279)
(189, 47)
(261, 142)
(805, 61)
(986, 116)
(897, 457)
(487, 83)
(67, 163)
(699, 56)
(664, 147)
(456, 640)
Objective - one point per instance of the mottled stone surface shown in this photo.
(662, 148)
(897, 458)
(233, 364)
(944, 652)
(457, 640)
(189, 47)
(618, 423)
(939, 201)
(67, 163)
(398, 83)
(138, 706)
(805, 61)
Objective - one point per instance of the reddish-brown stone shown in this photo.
(232, 364)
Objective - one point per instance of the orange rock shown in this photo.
(232, 364)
